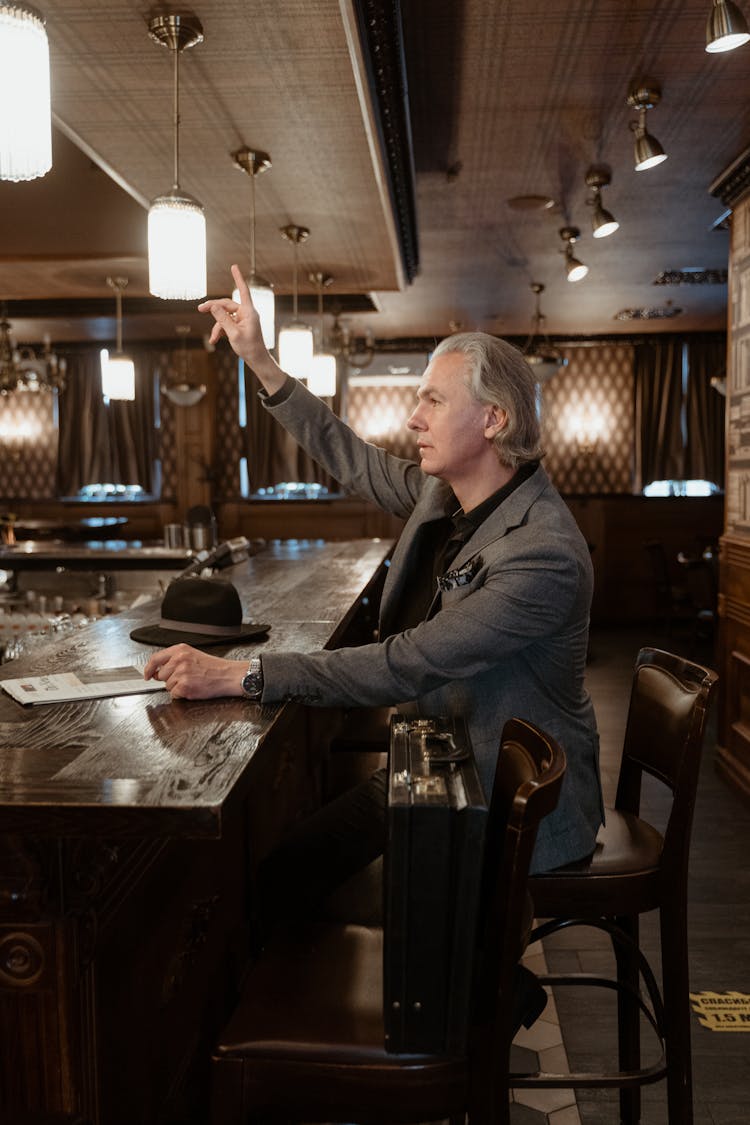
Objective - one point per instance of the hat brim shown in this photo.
(157, 635)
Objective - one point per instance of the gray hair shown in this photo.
(499, 376)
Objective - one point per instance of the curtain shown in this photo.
(272, 455)
(113, 443)
(659, 445)
(707, 357)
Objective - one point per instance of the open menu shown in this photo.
(65, 687)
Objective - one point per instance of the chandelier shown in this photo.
(21, 369)
(358, 352)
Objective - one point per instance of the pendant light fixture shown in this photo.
(118, 370)
(575, 270)
(253, 163)
(644, 95)
(296, 339)
(176, 222)
(603, 222)
(25, 119)
(322, 379)
(539, 352)
(726, 27)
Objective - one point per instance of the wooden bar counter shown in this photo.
(129, 829)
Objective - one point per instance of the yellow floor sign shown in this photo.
(722, 1011)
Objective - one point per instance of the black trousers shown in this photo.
(337, 841)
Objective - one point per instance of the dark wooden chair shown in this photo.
(636, 868)
(306, 1041)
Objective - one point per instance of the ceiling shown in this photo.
(505, 99)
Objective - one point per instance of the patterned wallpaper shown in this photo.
(594, 392)
(28, 444)
(587, 420)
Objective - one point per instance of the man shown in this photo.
(485, 609)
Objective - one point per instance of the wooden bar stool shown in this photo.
(635, 869)
(306, 1041)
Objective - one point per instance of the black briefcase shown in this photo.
(436, 820)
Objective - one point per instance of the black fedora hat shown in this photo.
(199, 611)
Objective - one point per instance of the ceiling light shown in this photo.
(176, 222)
(643, 96)
(253, 163)
(25, 121)
(575, 270)
(322, 380)
(296, 339)
(726, 27)
(118, 370)
(540, 353)
(602, 221)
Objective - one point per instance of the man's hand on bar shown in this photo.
(188, 673)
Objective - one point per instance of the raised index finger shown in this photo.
(241, 284)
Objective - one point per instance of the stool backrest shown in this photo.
(669, 704)
(528, 778)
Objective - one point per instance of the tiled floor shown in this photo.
(719, 927)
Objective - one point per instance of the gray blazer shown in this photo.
(506, 637)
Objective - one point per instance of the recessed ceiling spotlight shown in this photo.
(530, 202)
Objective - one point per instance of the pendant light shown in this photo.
(176, 222)
(322, 379)
(253, 163)
(726, 27)
(296, 339)
(118, 370)
(539, 352)
(25, 119)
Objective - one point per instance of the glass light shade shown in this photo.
(296, 350)
(648, 152)
(118, 375)
(726, 27)
(604, 223)
(177, 248)
(265, 303)
(322, 377)
(25, 122)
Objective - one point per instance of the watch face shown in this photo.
(252, 684)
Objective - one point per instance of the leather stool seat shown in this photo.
(633, 869)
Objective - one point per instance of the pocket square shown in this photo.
(462, 576)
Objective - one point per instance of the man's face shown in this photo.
(453, 430)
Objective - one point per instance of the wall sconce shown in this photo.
(296, 339)
(575, 270)
(176, 222)
(16, 438)
(118, 370)
(602, 221)
(253, 163)
(644, 95)
(25, 118)
(586, 429)
(726, 27)
(322, 379)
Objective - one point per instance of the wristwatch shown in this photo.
(252, 682)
